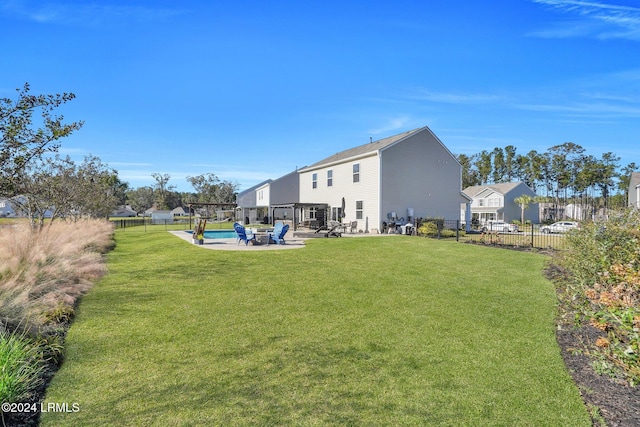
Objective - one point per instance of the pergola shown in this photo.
(296, 210)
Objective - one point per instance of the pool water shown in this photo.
(218, 234)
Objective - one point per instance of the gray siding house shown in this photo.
(497, 202)
(405, 176)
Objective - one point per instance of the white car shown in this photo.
(499, 226)
(559, 227)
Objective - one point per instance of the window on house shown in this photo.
(359, 209)
(329, 178)
(314, 180)
(356, 172)
(494, 202)
(313, 213)
(480, 202)
(336, 213)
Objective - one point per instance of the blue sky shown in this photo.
(250, 90)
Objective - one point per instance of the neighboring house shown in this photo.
(496, 202)
(634, 190)
(6, 208)
(401, 177)
(124, 211)
(180, 211)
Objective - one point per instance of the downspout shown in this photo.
(380, 216)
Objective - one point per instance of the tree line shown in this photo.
(563, 174)
(44, 185)
(161, 195)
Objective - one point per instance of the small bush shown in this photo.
(428, 229)
(434, 227)
(21, 364)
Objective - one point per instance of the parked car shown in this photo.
(499, 226)
(559, 227)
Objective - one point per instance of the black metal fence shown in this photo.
(527, 236)
(147, 224)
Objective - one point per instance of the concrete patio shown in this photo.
(232, 245)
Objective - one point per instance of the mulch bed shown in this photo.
(617, 402)
(610, 401)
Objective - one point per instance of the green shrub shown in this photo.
(604, 262)
(21, 364)
(428, 229)
(434, 227)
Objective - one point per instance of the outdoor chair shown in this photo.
(354, 227)
(277, 229)
(333, 232)
(278, 236)
(242, 235)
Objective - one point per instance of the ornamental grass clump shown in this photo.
(604, 262)
(43, 272)
(21, 364)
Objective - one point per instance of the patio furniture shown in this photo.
(242, 234)
(332, 232)
(278, 234)
(354, 227)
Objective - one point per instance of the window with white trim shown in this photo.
(359, 209)
(356, 172)
(314, 180)
(329, 177)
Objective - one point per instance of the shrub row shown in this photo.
(604, 264)
(42, 274)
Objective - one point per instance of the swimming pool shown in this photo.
(218, 234)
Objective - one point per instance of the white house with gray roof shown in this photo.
(497, 202)
(411, 174)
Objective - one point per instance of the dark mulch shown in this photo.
(615, 401)
(611, 401)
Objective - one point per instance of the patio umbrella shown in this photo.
(344, 205)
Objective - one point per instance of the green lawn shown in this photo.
(367, 331)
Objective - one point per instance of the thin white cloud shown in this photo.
(85, 14)
(129, 164)
(597, 19)
(595, 109)
(391, 125)
(454, 98)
